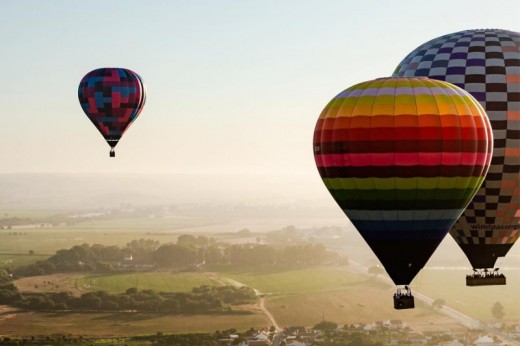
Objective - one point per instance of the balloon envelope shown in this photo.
(486, 63)
(112, 99)
(403, 157)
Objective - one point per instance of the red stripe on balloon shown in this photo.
(402, 159)
(404, 120)
(399, 133)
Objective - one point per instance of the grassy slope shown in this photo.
(120, 324)
(297, 280)
(160, 282)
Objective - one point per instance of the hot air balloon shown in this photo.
(112, 98)
(486, 63)
(403, 157)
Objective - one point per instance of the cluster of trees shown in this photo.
(80, 258)
(266, 255)
(201, 299)
(189, 253)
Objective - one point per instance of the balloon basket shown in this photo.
(112, 153)
(403, 299)
(485, 278)
(401, 303)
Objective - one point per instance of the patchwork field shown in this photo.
(294, 297)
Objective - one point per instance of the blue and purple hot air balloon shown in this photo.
(112, 99)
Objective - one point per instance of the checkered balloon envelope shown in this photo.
(486, 63)
(112, 99)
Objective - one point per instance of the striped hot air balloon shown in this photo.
(403, 157)
(112, 99)
(486, 63)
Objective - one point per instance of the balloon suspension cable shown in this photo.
(403, 298)
(112, 152)
(485, 277)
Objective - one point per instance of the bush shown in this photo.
(326, 325)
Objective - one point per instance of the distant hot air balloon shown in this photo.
(403, 157)
(112, 98)
(486, 63)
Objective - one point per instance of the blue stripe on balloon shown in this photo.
(420, 226)
(440, 214)
(403, 234)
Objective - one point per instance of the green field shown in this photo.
(298, 280)
(160, 282)
(284, 282)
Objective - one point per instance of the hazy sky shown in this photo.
(233, 86)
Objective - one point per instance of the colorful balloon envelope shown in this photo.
(486, 63)
(112, 99)
(403, 157)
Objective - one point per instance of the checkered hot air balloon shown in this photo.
(403, 157)
(486, 63)
(112, 98)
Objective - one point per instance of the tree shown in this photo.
(326, 325)
(173, 255)
(498, 310)
(438, 303)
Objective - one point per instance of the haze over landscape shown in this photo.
(219, 162)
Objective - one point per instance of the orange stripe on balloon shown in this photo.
(513, 78)
(508, 184)
(512, 151)
(513, 115)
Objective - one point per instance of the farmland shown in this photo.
(308, 280)
(363, 304)
(160, 282)
(116, 283)
(301, 297)
(125, 323)
(477, 302)
(294, 296)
